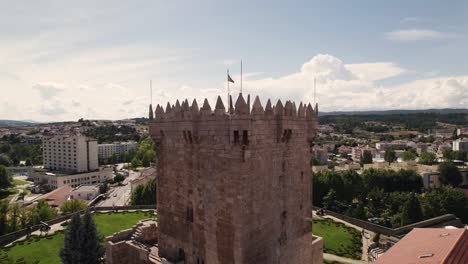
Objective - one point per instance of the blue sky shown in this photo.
(94, 59)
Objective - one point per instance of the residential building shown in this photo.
(70, 153)
(460, 145)
(358, 152)
(421, 147)
(442, 132)
(429, 246)
(320, 154)
(462, 131)
(390, 145)
(105, 151)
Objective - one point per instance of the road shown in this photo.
(120, 195)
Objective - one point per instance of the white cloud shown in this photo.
(354, 87)
(415, 35)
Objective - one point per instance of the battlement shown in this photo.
(240, 119)
(241, 108)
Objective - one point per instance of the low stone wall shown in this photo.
(317, 250)
(8, 238)
(122, 248)
(449, 219)
(124, 252)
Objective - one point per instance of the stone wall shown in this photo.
(234, 186)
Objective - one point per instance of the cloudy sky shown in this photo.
(62, 60)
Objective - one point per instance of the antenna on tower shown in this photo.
(151, 92)
(315, 90)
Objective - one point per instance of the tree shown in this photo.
(71, 251)
(91, 242)
(5, 160)
(449, 154)
(72, 206)
(408, 155)
(136, 162)
(427, 158)
(390, 156)
(329, 201)
(144, 194)
(6, 180)
(411, 211)
(148, 158)
(82, 243)
(366, 157)
(41, 212)
(29, 162)
(449, 174)
(3, 217)
(103, 188)
(119, 178)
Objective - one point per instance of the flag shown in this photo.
(230, 79)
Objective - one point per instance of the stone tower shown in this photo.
(234, 186)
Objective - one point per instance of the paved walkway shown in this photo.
(331, 257)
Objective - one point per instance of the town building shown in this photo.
(358, 152)
(429, 246)
(462, 131)
(70, 153)
(105, 151)
(320, 154)
(382, 146)
(235, 186)
(57, 179)
(442, 132)
(460, 145)
(85, 192)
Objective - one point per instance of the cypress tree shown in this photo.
(91, 246)
(71, 251)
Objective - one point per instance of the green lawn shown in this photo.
(19, 182)
(338, 239)
(46, 250)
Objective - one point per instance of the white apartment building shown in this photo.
(390, 145)
(56, 180)
(70, 153)
(105, 151)
(460, 145)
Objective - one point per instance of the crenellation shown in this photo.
(241, 107)
(268, 108)
(278, 110)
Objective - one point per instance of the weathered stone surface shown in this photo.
(235, 188)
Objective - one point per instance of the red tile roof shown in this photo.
(58, 196)
(429, 245)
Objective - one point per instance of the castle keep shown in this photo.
(234, 185)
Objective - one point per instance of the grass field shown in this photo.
(19, 182)
(46, 250)
(338, 239)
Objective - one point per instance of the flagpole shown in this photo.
(151, 92)
(228, 93)
(241, 76)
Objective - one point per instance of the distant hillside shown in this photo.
(16, 123)
(397, 112)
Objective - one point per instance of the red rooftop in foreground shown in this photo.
(429, 245)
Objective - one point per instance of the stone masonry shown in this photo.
(234, 186)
